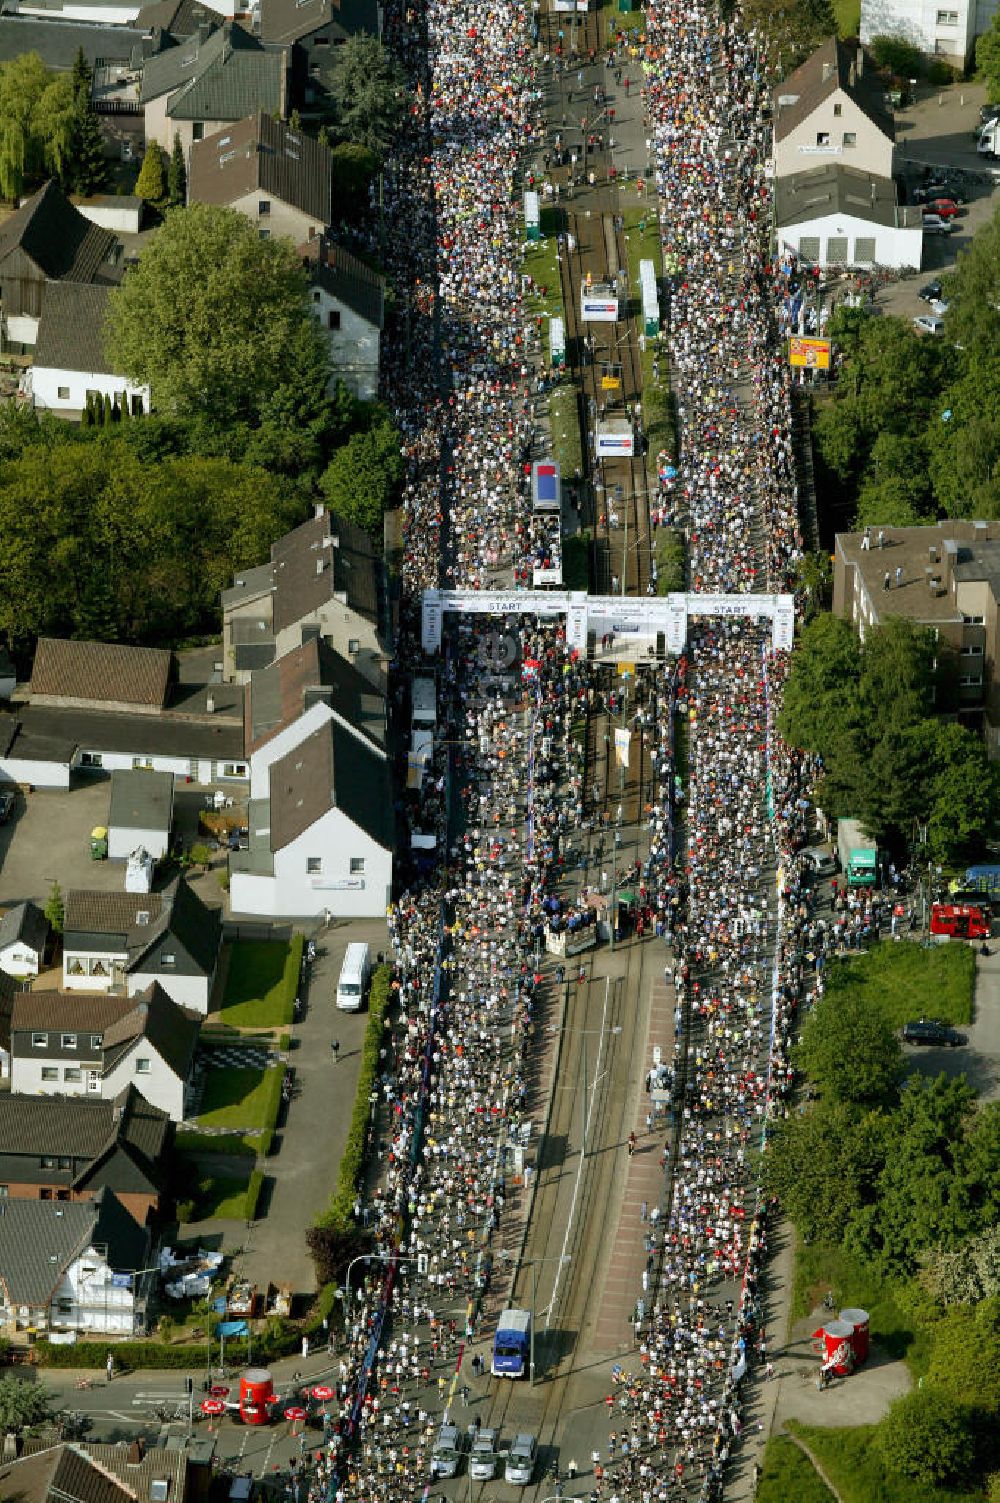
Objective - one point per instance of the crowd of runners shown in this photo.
(454, 1067)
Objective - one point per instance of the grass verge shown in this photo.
(852, 1462)
(241, 1099)
(788, 1476)
(188, 1141)
(671, 557)
(261, 983)
(905, 981)
(848, 17)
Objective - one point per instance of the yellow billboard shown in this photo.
(813, 354)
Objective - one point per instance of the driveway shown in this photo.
(47, 839)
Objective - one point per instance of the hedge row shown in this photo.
(340, 1212)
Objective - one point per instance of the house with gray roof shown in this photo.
(348, 301)
(64, 1148)
(279, 178)
(69, 1266)
(75, 1044)
(47, 240)
(24, 935)
(210, 82)
(87, 1471)
(325, 574)
(71, 368)
(309, 675)
(313, 29)
(124, 941)
(141, 813)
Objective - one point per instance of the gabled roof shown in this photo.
(311, 674)
(24, 924)
(171, 1030)
(116, 914)
(345, 278)
(84, 1129)
(180, 18)
(323, 558)
(839, 190)
(39, 1239)
(71, 329)
(225, 76)
(835, 65)
(82, 1012)
(332, 768)
(263, 155)
(288, 21)
(57, 42)
(100, 673)
(59, 240)
(144, 925)
(89, 1472)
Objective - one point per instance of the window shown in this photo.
(864, 250)
(264, 234)
(321, 41)
(333, 319)
(4, 1192)
(263, 207)
(198, 130)
(142, 764)
(972, 652)
(74, 1075)
(809, 248)
(39, 1040)
(850, 138)
(48, 1162)
(99, 968)
(353, 645)
(822, 138)
(838, 110)
(357, 865)
(63, 393)
(74, 967)
(143, 1065)
(317, 295)
(68, 1040)
(168, 958)
(971, 681)
(836, 250)
(93, 396)
(49, 1072)
(96, 1040)
(234, 769)
(314, 865)
(974, 620)
(136, 404)
(947, 18)
(92, 759)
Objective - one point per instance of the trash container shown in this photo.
(99, 843)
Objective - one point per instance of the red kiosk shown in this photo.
(256, 1396)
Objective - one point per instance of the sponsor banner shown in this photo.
(809, 354)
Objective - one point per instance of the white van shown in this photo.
(354, 976)
(423, 696)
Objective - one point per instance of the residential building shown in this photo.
(324, 574)
(312, 29)
(86, 1471)
(70, 366)
(73, 1044)
(9, 989)
(70, 1267)
(348, 300)
(834, 216)
(44, 241)
(124, 941)
(280, 696)
(948, 32)
(141, 815)
(279, 178)
(833, 105)
(58, 41)
(213, 80)
(71, 674)
(24, 935)
(62, 1148)
(322, 823)
(949, 580)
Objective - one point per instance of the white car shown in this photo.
(939, 307)
(928, 324)
(520, 1460)
(935, 225)
(483, 1455)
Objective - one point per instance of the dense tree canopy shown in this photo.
(361, 479)
(849, 1050)
(926, 1435)
(22, 1404)
(368, 91)
(988, 59)
(215, 319)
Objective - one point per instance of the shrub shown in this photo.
(200, 855)
(928, 1436)
(253, 1193)
(185, 1211)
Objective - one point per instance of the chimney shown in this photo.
(932, 553)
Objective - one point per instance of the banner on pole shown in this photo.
(623, 741)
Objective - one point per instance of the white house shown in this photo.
(833, 107)
(947, 31)
(70, 364)
(348, 301)
(835, 217)
(141, 813)
(24, 933)
(321, 823)
(68, 1044)
(71, 1265)
(124, 941)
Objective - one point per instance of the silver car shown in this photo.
(446, 1457)
(520, 1460)
(483, 1456)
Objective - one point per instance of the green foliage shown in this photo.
(151, 184)
(200, 854)
(576, 561)
(354, 167)
(988, 59)
(853, 1460)
(177, 174)
(216, 321)
(850, 1052)
(87, 169)
(671, 559)
(55, 909)
(897, 56)
(22, 1404)
(901, 982)
(362, 478)
(927, 1435)
(339, 1215)
(825, 1165)
(794, 28)
(261, 983)
(368, 90)
(969, 1274)
(787, 1474)
(332, 1248)
(36, 122)
(965, 1355)
(188, 1141)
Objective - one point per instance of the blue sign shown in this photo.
(121, 1281)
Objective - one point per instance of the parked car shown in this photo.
(483, 1456)
(446, 1457)
(935, 225)
(6, 807)
(821, 863)
(932, 1031)
(939, 308)
(944, 208)
(520, 1460)
(927, 323)
(931, 292)
(934, 189)
(988, 112)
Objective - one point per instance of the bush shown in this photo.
(898, 56)
(928, 1436)
(185, 1211)
(200, 855)
(253, 1193)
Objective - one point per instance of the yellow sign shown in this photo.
(626, 670)
(610, 383)
(812, 354)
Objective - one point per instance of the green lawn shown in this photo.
(187, 1141)
(855, 1468)
(848, 14)
(226, 1199)
(240, 1099)
(906, 981)
(261, 983)
(899, 1311)
(787, 1476)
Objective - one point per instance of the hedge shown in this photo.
(340, 1212)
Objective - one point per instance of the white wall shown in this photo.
(107, 15)
(282, 221)
(893, 247)
(122, 842)
(96, 1303)
(354, 347)
(917, 21)
(188, 991)
(19, 959)
(799, 150)
(37, 774)
(160, 1086)
(340, 626)
(88, 982)
(26, 1074)
(21, 329)
(47, 382)
(295, 892)
(111, 214)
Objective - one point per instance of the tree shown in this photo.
(368, 89)
(177, 173)
(824, 1166)
(54, 123)
(850, 1052)
(988, 59)
(361, 479)
(926, 1435)
(332, 1250)
(354, 166)
(150, 185)
(88, 170)
(962, 789)
(216, 321)
(22, 1404)
(897, 55)
(965, 1355)
(55, 909)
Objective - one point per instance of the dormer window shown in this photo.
(69, 1040)
(168, 958)
(39, 1040)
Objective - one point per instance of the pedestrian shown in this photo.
(335, 1047)
(571, 1468)
(887, 581)
(110, 1366)
(631, 1144)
